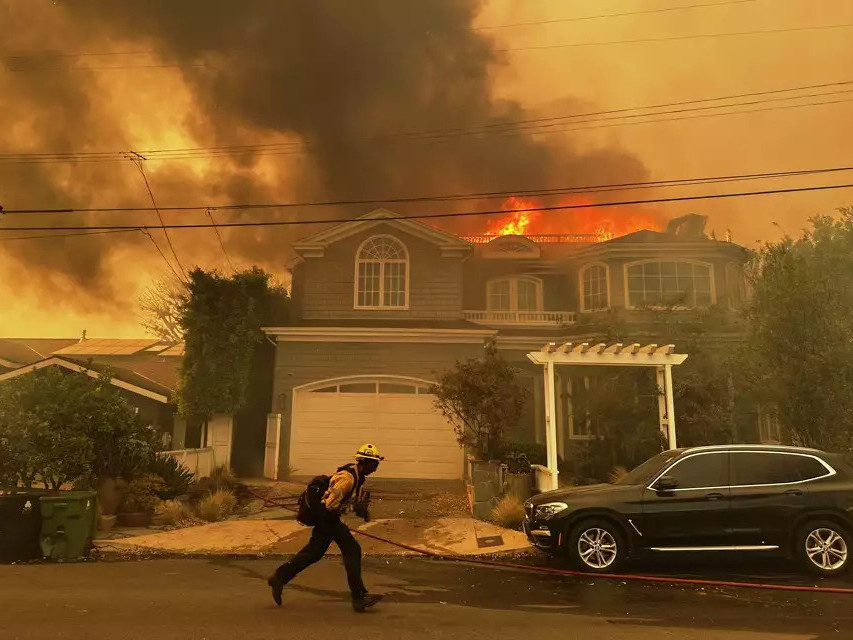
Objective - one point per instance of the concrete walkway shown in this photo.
(450, 536)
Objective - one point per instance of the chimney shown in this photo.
(691, 225)
(84, 336)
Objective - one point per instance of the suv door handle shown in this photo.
(714, 496)
(793, 492)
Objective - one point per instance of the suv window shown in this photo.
(755, 467)
(701, 471)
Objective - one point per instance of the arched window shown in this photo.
(595, 287)
(382, 274)
(669, 284)
(514, 294)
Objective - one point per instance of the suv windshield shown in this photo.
(652, 466)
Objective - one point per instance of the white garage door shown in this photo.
(331, 421)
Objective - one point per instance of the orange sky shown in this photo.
(164, 113)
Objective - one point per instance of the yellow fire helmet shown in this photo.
(368, 452)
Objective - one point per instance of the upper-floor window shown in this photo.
(515, 294)
(595, 293)
(672, 283)
(382, 274)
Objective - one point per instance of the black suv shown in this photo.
(706, 499)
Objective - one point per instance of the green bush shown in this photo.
(177, 479)
(517, 462)
(141, 494)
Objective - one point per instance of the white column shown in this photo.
(670, 408)
(551, 423)
(660, 379)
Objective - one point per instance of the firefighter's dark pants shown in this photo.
(329, 529)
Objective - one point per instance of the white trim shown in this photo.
(830, 471)
(513, 281)
(757, 547)
(582, 288)
(315, 246)
(50, 362)
(634, 263)
(382, 265)
(616, 355)
(375, 334)
(364, 377)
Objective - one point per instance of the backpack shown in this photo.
(313, 495)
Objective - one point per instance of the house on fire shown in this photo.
(383, 305)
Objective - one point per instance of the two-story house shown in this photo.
(384, 305)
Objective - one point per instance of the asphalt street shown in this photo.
(217, 599)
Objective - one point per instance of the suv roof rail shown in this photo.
(777, 447)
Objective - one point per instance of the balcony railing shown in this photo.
(549, 318)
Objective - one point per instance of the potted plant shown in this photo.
(139, 501)
(519, 478)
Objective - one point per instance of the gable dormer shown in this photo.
(381, 266)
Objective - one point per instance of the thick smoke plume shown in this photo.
(340, 80)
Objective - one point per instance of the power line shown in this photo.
(612, 15)
(501, 127)
(464, 214)
(138, 159)
(697, 36)
(162, 255)
(221, 244)
(51, 236)
(482, 195)
(51, 54)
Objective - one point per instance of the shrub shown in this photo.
(172, 512)
(177, 479)
(509, 512)
(217, 506)
(222, 479)
(141, 494)
(517, 463)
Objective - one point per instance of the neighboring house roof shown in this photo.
(315, 245)
(27, 350)
(121, 378)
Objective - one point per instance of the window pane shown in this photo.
(809, 468)
(749, 468)
(595, 288)
(326, 390)
(700, 471)
(359, 387)
(669, 283)
(499, 295)
(423, 391)
(390, 387)
(368, 284)
(394, 293)
(527, 295)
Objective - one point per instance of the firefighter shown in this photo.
(321, 506)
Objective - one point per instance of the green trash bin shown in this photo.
(67, 524)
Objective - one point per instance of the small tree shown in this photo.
(160, 305)
(221, 320)
(482, 399)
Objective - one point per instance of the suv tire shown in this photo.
(824, 547)
(597, 546)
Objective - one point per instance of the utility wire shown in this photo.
(51, 236)
(482, 195)
(464, 214)
(697, 36)
(138, 159)
(612, 15)
(523, 126)
(221, 244)
(162, 255)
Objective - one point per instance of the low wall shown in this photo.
(199, 461)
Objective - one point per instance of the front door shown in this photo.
(695, 514)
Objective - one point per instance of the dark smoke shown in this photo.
(341, 75)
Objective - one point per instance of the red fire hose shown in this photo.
(569, 572)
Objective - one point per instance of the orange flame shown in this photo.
(602, 225)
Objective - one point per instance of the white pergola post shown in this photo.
(551, 422)
(617, 355)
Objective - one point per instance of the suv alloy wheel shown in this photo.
(824, 547)
(597, 546)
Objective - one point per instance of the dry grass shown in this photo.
(217, 506)
(172, 512)
(509, 512)
(617, 474)
(222, 479)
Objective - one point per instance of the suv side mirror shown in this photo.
(666, 483)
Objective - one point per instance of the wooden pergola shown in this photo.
(662, 358)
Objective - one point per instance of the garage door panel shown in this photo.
(417, 442)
